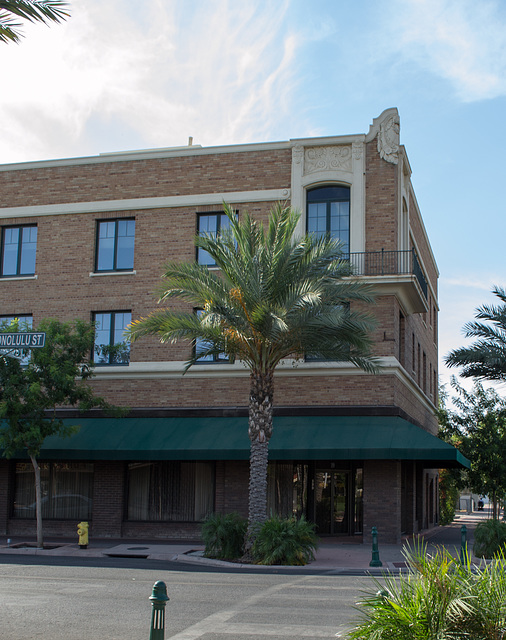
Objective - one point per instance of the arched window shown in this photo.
(328, 212)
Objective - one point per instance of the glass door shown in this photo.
(332, 502)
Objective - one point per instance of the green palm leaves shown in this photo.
(32, 10)
(486, 358)
(273, 296)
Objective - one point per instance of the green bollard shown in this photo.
(375, 562)
(463, 546)
(158, 599)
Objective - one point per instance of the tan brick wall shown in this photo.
(381, 201)
(154, 177)
(382, 501)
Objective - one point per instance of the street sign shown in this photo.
(22, 340)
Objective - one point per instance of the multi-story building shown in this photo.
(87, 238)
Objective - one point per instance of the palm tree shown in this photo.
(486, 358)
(275, 297)
(32, 10)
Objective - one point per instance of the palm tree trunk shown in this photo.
(38, 503)
(260, 431)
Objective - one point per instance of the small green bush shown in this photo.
(286, 541)
(448, 496)
(438, 600)
(489, 538)
(223, 536)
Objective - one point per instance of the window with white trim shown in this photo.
(115, 245)
(19, 246)
(110, 346)
(328, 213)
(210, 224)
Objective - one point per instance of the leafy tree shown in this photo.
(276, 296)
(486, 358)
(32, 10)
(478, 423)
(54, 376)
(451, 481)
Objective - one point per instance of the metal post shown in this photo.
(463, 545)
(158, 599)
(375, 561)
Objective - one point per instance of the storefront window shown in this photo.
(67, 490)
(170, 491)
(279, 489)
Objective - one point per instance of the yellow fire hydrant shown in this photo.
(82, 532)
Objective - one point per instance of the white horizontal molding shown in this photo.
(95, 274)
(288, 368)
(132, 204)
(7, 278)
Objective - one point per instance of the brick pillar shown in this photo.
(420, 496)
(409, 518)
(219, 487)
(382, 500)
(108, 499)
(5, 495)
(236, 487)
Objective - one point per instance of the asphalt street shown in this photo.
(112, 603)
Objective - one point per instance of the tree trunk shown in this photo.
(260, 431)
(38, 502)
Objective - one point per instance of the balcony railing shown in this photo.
(388, 263)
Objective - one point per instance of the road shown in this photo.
(56, 602)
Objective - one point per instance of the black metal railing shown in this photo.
(384, 263)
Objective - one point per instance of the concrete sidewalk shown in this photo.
(332, 554)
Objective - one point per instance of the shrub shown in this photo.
(223, 536)
(285, 541)
(489, 538)
(438, 599)
(448, 496)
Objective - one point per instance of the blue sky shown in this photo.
(125, 75)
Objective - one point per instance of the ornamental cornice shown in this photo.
(331, 158)
(388, 139)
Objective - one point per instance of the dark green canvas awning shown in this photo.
(226, 438)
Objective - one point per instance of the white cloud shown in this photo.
(221, 72)
(462, 41)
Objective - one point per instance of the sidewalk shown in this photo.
(332, 555)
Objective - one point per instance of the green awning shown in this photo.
(226, 438)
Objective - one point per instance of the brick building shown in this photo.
(87, 238)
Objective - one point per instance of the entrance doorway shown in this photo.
(333, 514)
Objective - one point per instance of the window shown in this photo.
(22, 323)
(328, 212)
(170, 491)
(110, 345)
(210, 224)
(19, 246)
(202, 346)
(115, 245)
(67, 490)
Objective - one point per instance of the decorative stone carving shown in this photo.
(357, 150)
(327, 159)
(388, 139)
(297, 154)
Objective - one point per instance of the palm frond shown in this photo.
(485, 359)
(32, 10)
(273, 296)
